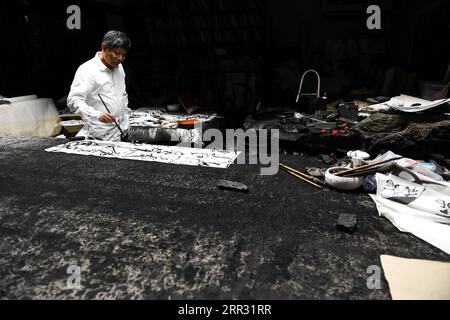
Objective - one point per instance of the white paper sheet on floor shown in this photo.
(148, 152)
(422, 209)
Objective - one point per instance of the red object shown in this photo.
(335, 132)
(188, 122)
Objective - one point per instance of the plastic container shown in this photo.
(370, 184)
(425, 171)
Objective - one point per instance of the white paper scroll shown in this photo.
(147, 152)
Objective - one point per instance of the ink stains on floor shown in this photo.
(157, 231)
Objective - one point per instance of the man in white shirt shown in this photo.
(103, 75)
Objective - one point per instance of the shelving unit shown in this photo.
(200, 46)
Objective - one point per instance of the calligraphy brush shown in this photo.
(365, 167)
(311, 178)
(301, 177)
(118, 127)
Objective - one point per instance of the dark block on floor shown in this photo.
(231, 185)
(347, 223)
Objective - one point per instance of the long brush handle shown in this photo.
(302, 178)
(118, 127)
(368, 166)
(305, 176)
(188, 111)
(296, 171)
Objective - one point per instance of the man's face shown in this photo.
(115, 56)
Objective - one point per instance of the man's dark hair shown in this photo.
(114, 39)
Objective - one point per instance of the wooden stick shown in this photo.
(317, 120)
(303, 179)
(367, 166)
(188, 111)
(311, 178)
(315, 180)
(297, 172)
(358, 171)
(361, 173)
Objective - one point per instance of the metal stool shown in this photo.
(317, 99)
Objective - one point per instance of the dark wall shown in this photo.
(412, 45)
(421, 33)
(40, 55)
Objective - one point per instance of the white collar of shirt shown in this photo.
(101, 65)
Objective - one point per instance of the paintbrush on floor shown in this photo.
(300, 175)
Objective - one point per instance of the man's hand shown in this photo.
(106, 117)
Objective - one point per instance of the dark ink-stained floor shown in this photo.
(142, 230)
